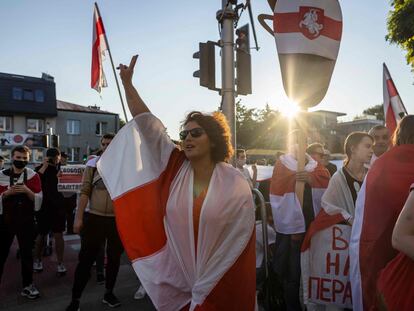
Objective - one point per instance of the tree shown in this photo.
(400, 26)
(260, 128)
(377, 110)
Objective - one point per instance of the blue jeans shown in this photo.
(286, 264)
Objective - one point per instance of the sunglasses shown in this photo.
(195, 132)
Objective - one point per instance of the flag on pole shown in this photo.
(394, 108)
(99, 46)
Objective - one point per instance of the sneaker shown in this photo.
(37, 266)
(140, 293)
(111, 300)
(74, 306)
(100, 278)
(61, 268)
(30, 292)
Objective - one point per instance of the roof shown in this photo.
(15, 77)
(62, 105)
(338, 114)
(361, 121)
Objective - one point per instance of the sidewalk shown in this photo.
(56, 291)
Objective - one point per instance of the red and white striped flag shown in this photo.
(394, 108)
(308, 35)
(308, 27)
(286, 209)
(99, 46)
(184, 260)
(378, 205)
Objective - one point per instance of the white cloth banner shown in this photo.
(325, 268)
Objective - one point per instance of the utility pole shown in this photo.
(226, 16)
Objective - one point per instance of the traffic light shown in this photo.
(54, 141)
(207, 65)
(243, 61)
(50, 141)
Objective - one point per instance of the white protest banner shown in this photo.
(325, 267)
(70, 178)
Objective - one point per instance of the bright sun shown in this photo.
(289, 110)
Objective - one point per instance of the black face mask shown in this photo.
(19, 163)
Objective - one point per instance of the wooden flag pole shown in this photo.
(113, 69)
(301, 155)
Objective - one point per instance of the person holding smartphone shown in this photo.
(20, 197)
(52, 215)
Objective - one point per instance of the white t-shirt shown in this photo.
(245, 172)
(271, 238)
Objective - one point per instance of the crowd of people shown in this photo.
(186, 217)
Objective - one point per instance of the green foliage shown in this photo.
(377, 110)
(260, 128)
(400, 25)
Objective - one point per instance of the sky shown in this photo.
(56, 37)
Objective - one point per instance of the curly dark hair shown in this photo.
(218, 131)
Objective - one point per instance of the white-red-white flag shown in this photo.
(308, 35)
(394, 108)
(99, 46)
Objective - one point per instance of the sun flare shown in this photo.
(289, 110)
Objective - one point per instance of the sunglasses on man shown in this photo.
(195, 132)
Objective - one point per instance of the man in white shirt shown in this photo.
(240, 165)
(382, 141)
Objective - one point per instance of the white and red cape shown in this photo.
(378, 205)
(151, 184)
(33, 183)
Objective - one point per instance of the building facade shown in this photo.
(29, 112)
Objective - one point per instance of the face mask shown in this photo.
(19, 163)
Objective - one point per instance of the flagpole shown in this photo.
(113, 68)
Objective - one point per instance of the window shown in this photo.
(39, 96)
(73, 154)
(101, 128)
(6, 154)
(37, 154)
(5, 124)
(17, 93)
(35, 126)
(73, 127)
(28, 95)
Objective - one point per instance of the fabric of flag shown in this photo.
(394, 108)
(286, 209)
(396, 285)
(33, 183)
(308, 27)
(378, 205)
(99, 46)
(326, 245)
(211, 267)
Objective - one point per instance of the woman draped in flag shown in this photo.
(395, 283)
(341, 194)
(290, 218)
(185, 217)
(338, 207)
(379, 203)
